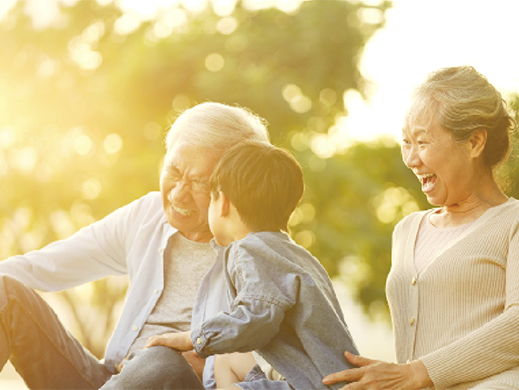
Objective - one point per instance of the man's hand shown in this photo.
(180, 341)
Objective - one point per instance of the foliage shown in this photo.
(87, 100)
(357, 199)
(508, 173)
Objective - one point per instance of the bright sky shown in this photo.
(424, 35)
(420, 36)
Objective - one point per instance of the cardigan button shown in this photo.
(411, 321)
(198, 341)
(413, 282)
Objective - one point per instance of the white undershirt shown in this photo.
(185, 263)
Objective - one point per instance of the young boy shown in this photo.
(264, 293)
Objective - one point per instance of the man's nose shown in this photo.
(181, 192)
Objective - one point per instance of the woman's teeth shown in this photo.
(427, 180)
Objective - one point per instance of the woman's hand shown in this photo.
(180, 341)
(377, 375)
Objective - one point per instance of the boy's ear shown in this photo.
(226, 204)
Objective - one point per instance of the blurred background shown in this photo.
(88, 89)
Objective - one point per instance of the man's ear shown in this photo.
(225, 204)
(477, 142)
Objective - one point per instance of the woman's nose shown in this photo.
(410, 156)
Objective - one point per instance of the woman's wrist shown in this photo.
(420, 376)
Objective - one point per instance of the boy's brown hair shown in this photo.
(264, 183)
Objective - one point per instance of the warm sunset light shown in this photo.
(89, 88)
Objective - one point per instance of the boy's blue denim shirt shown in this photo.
(280, 303)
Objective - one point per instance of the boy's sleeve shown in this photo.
(255, 314)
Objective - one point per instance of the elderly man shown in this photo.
(161, 241)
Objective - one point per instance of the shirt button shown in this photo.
(408, 361)
(135, 327)
(156, 291)
(411, 321)
(198, 341)
(413, 282)
(161, 249)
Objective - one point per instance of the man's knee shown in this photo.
(10, 283)
(155, 368)
(10, 286)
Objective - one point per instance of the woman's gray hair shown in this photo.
(461, 101)
(216, 126)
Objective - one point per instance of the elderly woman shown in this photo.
(453, 289)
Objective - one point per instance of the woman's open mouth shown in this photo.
(428, 181)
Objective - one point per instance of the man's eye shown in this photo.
(200, 186)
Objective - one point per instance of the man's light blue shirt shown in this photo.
(129, 241)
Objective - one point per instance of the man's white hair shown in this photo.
(216, 126)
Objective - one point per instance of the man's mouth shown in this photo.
(184, 212)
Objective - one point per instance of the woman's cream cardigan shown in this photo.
(460, 315)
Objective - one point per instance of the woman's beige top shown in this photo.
(460, 314)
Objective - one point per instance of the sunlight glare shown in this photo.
(83, 144)
(145, 9)
(322, 146)
(224, 8)
(47, 68)
(6, 6)
(227, 25)
(25, 159)
(7, 137)
(195, 6)
(113, 143)
(127, 23)
(214, 62)
(305, 238)
(288, 6)
(91, 189)
(94, 32)
(422, 36)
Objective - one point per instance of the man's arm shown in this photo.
(93, 252)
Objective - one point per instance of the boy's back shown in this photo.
(283, 307)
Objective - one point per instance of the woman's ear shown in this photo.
(477, 142)
(225, 204)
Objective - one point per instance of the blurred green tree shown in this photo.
(508, 173)
(86, 101)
